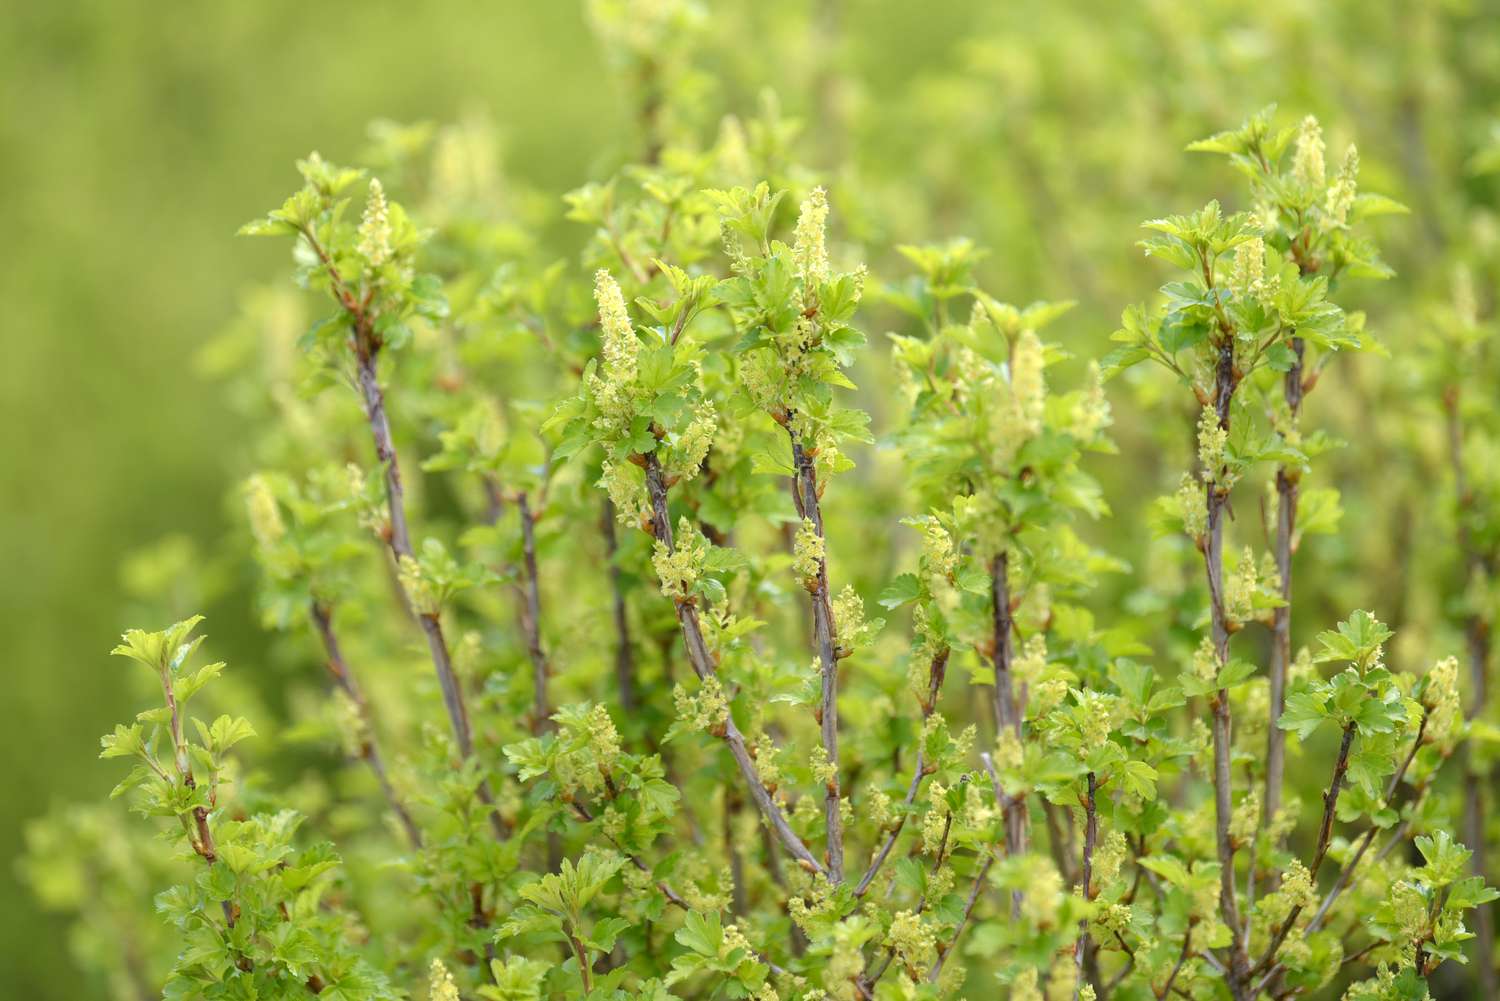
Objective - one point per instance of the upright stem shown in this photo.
(1006, 715)
(531, 618)
(1008, 711)
(703, 666)
(203, 842)
(367, 344)
(935, 673)
(806, 494)
(624, 651)
(1287, 488)
(1325, 838)
(1090, 840)
(1213, 560)
(369, 746)
(740, 905)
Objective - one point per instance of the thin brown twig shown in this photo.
(369, 746)
(703, 666)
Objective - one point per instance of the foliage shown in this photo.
(586, 549)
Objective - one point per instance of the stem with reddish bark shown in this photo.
(367, 345)
(1325, 838)
(1217, 500)
(1090, 840)
(203, 841)
(703, 666)
(369, 747)
(935, 673)
(1008, 710)
(624, 651)
(1287, 489)
(531, 619)
(805, 492)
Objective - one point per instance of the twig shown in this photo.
(1217, 500)
(935, 672)
(367, 345)
(1007, 710)
(1325, 836)
(703, 666)
(974, 891)
(624, 650)
(1090, 839)
(369, 747)
(531, 618)
(1287, 490)
(1182, 958)
(805, 492)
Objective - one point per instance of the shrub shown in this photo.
(663, 747)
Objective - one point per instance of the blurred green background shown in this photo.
(135, 140)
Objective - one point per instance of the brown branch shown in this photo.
(1325, 837)
(369, 747)
(1217, 500)
(805, 492)
(1182, 958)
(935, 672)
(203, 842)
(531, 619)
(1008, 710)
(1287, 490)
(1090, 839)
(703, 666)
(624, 649)
(944, 951)
(366, 345)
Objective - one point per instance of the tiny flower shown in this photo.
(264, 512)
(375, 227)
(440, 985)
(810, 247)
(807, 553)
(1307, 156)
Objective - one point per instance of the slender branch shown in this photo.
(531, 618)
(1346, 875)
(935, 672)
(673, 897)
(868, 983)
(369, 747)
(945, 951)
(1090, 839)
(1006, 715)
(366, 345)
(805, 492)
(1182, 958)
(703, 666)
(1287, 490)
(203, 842)
(1217, 499)
(1008, 710)
(624, 649)
(1325, 836)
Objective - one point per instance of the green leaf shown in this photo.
(905, 588)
